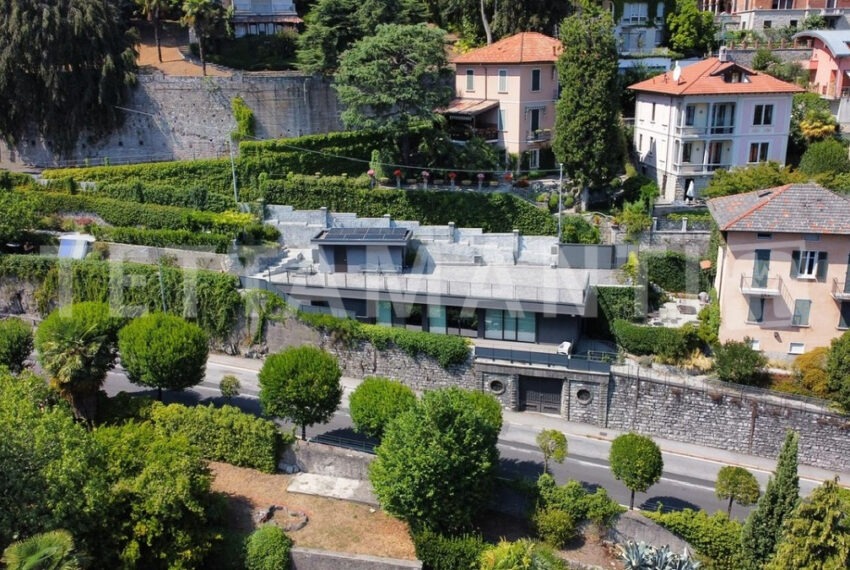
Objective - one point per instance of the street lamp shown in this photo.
(560, 193)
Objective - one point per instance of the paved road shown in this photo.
(688, 479)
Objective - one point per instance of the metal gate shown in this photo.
(540, 394)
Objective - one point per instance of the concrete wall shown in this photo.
(744, 56)
(328, 460)
(190, 117)
(311, 559)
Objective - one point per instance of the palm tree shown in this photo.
(52, 550)
(197, 15)
(151, 9)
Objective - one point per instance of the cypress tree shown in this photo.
(763, 529)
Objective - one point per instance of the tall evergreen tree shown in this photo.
(817, 536)
(763, 529)
(64, 67)
(587, 129)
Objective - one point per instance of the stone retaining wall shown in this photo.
(312, 559)
(311, 457)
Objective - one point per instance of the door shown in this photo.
(540, 395)
(340, 259)
(761, 265)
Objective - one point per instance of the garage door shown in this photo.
(540, 394)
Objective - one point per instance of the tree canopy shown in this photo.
(738, 485)
(394, 78)
(77, 346)
(523, 554)
(332, 27)
(763, 529)
(301, 384)
(15, 343)
(553, 445)
(636, 461)
(746, 179)
(163, 351)
(692, 30)
(18, 215)
(817, 535)
(437, 462)
(587, 129)
(838, 369)
(825, 157)
(376, 402)
(64, 69)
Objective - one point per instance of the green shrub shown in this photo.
(675, 272)
(223, 434)
(573, 499)
(267, 548)
(196, 197)
(636, 218)
(709, 321)
(497, 212)
(229, 386)
(163, 238)
(244, 119)
(441, 552)
(828, 156)
(15, 343)
(123, 407)
(665, 342)
(575, 229)
(554, 526)
(737, 362)
(810, 371)
(214, 301)
(715, 537)
(376, 402)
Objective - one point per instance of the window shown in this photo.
(640, 142)
(809, 265)
(802, 308)
(755, 344)
(792, 24)
(506, 325)
(763, 235)
(652, 116)
(470, 80)
(503, 81)
(756, 310)
(651, 145)
(503, 119)
(758, 152)
(385, 313)
(785, 5)
(723, 118)
(690, 115)
(437, 319)
(534, 159)
(767, 24)
(535, 120)
(844, 317)
(687, 148)
(796, 348)
(535, 80)
(811, 237)
(763, 115)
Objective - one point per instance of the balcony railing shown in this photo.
(538, 135)
(757, 286)
(703, 130)
(488, 133)
(699, 168)
(840, 290)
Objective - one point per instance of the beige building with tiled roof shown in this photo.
(506, 93)
(692, 121)
(783, 274)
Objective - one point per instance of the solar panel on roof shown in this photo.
(365, 234)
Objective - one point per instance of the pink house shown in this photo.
(783, 273)
(506, 93)
(830, 62)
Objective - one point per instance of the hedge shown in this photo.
(497, 212)
(662, 341)
(675, 272)
(715, 537)
(441, 552)
(132, 214)
(222, 434)
(162, 238)
(195, 196)
(210, 299)
(445, 349)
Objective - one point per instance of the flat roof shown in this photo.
(363, 236)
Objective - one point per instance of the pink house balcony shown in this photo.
(540, 135)
(840, 290)
(757, 286)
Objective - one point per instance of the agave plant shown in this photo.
(47, 551)
(635, 555)
(641, 556)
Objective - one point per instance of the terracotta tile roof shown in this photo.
(793, 208)
(525, 47)
(706, 78)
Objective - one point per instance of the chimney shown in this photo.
(723, 55)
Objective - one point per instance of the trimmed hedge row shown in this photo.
(441, 552)
(661, 341)
(499, 212)
(676, 272)
(132, 214)
(446, 349)
(715, 537)
(196, 197)
(222, 434)
(210, 299)
(162, 238)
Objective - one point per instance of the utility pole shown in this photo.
(560, 193)
(233, 172)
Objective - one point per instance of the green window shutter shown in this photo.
(822, 266)
(802, 308)
(756, 310)
(795, 263)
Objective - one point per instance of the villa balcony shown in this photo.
(540, 135)
(753, 286)
(840, 290)
(692, 131)
(699, 169)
